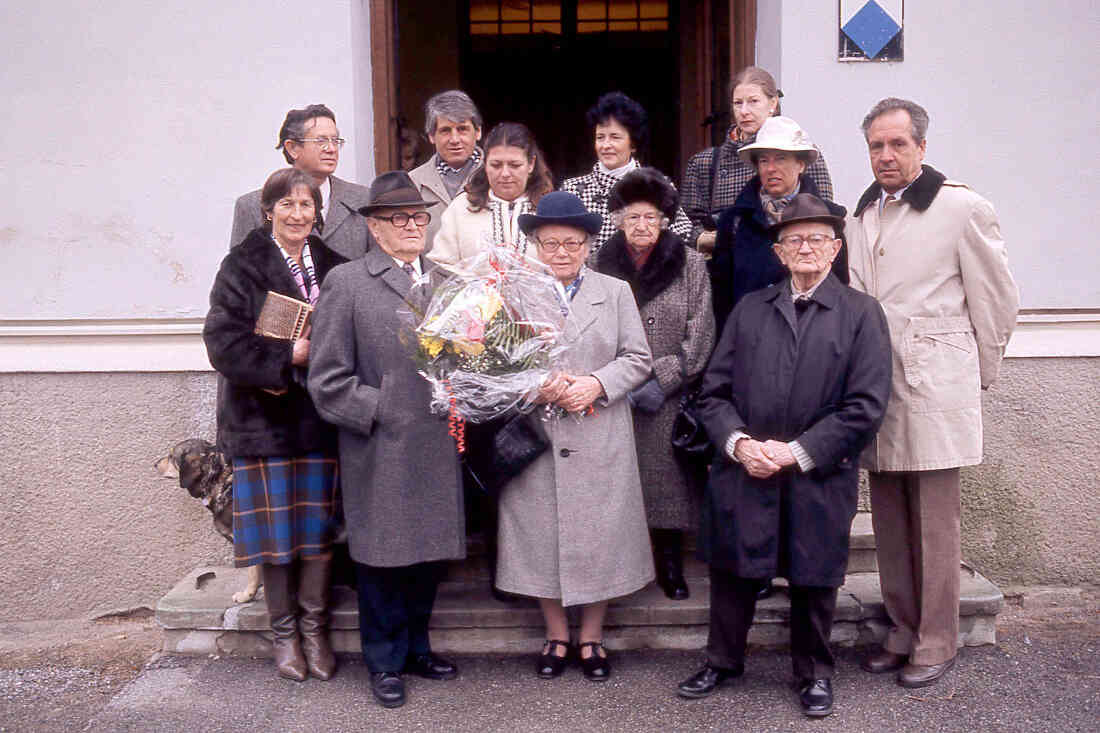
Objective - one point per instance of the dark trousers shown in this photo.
(395, 606)
(732, 605)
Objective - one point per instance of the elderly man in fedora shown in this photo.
(931, 251)
(797, 386)
(399, 471)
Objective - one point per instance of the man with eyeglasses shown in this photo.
(453, 125)
(797, 386)
(399, 471)
(931, 251)
(311, 142)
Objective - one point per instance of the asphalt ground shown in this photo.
(1043, 675)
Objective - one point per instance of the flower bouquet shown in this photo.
(491, 333)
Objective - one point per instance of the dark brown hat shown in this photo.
(807, 207)
(645, 184)
(394, 188)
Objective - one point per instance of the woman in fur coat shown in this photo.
(672, 290)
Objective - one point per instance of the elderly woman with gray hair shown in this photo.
(672, 291)
(572, 524)
(452, 124)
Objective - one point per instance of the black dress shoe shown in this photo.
(431, 667)
(388, 689)
(706, 680)
(816, 697)
(549, 664)
(595, 667)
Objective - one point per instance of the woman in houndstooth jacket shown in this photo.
(621, 128)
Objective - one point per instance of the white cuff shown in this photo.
(804, 461)
(731, 443)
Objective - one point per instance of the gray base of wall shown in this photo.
(90, 529)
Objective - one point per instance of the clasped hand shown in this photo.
(763, 459)
(569, 392)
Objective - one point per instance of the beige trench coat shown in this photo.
(573, 525)
(427, 179)
(936, 262)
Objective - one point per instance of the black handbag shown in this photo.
(499, 450)
(690, 443)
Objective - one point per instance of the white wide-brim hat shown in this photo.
(780, 133)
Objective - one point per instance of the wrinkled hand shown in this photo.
(752, 456)
(580, 394)
(780, 453)
(553, 388)
(300, 354)
(705, 242)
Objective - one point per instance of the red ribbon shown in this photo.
(455, 421)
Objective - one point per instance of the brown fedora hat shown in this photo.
(394, 188)
(807, 207)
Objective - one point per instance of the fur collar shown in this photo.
(919, 195)
(660, 270)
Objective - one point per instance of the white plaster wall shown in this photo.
(129, 128)
(1013, 91)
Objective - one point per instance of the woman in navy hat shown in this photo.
(573, 525)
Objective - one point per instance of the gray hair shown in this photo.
(918, 116)
(454, 105)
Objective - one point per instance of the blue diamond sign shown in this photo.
(870, 30)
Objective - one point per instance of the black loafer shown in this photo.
(431, 667)
(816, 697)
(388, 689)
(595, 667)
(705, 681)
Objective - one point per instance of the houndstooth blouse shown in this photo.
(594, 188)
(733, 174)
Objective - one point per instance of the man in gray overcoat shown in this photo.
(797, 386)
(399, 470)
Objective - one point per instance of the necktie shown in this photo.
(319, 224)
(800, 306)
(409, 270)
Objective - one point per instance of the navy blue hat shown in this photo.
(561, 207)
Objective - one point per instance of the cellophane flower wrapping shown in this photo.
(490, 334)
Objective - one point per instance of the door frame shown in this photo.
(717, 37)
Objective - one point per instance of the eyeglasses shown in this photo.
(550, 246)
(794, 242)
(401, 219)
(324, 142)
(636, 219)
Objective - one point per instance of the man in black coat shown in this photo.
(797, 386)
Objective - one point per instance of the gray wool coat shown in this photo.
(399, 469)
(572, 525)
(673, 295)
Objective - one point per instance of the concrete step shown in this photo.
(199, 617)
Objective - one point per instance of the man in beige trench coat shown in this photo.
(930, 250)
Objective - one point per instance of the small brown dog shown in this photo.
(204, 472)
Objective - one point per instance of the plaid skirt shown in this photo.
(283, 507)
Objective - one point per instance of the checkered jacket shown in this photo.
(733, 174)
(594, 188)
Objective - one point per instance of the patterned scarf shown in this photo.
(311, 292)
(444, 169)
(505, 221)
(773, 207)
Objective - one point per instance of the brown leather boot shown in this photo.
(281, 609)
(314, 578)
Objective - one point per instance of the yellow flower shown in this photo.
(470, 348)
(432, 345)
